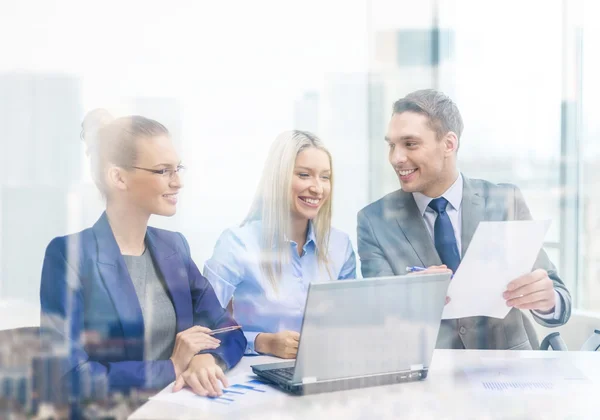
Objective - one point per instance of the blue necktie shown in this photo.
(445, 241)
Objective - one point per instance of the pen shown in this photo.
(226, 329)
(416, 269)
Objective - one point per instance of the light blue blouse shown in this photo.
(234, 271)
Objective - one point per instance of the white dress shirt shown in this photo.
(454, 195)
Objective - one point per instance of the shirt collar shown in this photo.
(310, 237)
(453, 194)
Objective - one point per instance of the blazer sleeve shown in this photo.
(208, 312)
(372, 258)
(521, 212)
(62, 324)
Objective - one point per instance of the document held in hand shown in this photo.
(498, 253)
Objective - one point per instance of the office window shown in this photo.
(527, 93)
(589, 297)
(224, 92)
(508, 85)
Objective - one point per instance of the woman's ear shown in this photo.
(116, 178)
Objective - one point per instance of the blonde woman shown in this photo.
(285, 242)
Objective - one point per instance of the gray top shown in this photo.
(157, 309)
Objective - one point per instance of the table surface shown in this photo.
(447, 393)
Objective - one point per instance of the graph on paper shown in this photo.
(243, 392)
(538, 376)
(523, 386)
(235, 392)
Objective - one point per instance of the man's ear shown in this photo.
(116, 178)
(451, 142)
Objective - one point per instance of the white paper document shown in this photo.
(527, 376)
(244, 391)
(498, 253)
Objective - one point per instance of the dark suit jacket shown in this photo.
(89, 305)
(392, 235)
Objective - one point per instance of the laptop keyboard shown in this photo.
(287, 373)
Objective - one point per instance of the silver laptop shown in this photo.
(360, 333)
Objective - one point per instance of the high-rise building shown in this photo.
(40, 118)
(403, 60)
(48, 382)
(13, 387)
(344, 129)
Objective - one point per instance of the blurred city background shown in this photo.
(227, 77)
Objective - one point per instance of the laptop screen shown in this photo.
(366, 327)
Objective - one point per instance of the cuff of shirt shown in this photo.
(552, 316)
(219, 361)
(250, 337)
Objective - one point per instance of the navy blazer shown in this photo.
(89, 305)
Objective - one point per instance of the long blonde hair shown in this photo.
(272, 204)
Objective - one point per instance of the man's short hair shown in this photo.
(442, 113)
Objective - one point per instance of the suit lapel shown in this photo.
(413, 226)
(174, 272)
(118, 283)
(473, 212)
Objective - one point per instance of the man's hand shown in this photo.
(203, 376)
(436, 269)
(533, 291)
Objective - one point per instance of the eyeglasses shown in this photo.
(166, 172)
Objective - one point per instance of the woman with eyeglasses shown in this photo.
(263, 267)
(126, 300)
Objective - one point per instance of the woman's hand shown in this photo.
(202, 376)
(188, 343)
(283, 344)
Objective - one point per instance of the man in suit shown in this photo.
(430, 222)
